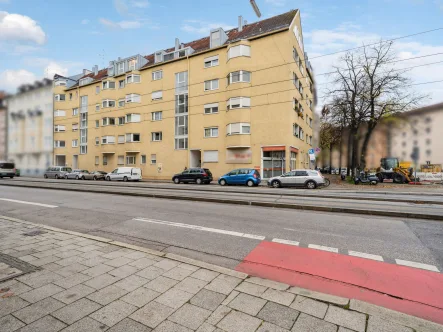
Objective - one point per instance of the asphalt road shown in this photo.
(222, 234)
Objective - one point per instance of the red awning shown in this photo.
(274, 148)
(294, 149)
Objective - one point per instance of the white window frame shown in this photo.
(132, 118)
(153, 159)
(211, 61)
(121, 123)
(121, 84)
(97, 160)
(211, 84)
(108, 139)
(106, 85)
(120, 160)
(97, 89)
(210, 108)
(121, 103)
(154, 116)
(58, 97)
(157, 75)
(129, 159)
(133, 78)
(132, 64)
(107, 121)
(210, 132)
(238, 102)
(106, 103)
(59, 128)
(213, 154)
(74, 143)
(60, 82)
(97, 107)
(97, 141)
(121, 139)
(75, 111)
(131, 138)
(97, 123)
(154, 138)
(241, 126)
(239, 50)
(157, 95)
(132, 98)
(120, 67)
(58, 144)
(143, 159)
(75, 127)
(59, 113)
(241, 77)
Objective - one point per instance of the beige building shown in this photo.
(3, 126)
(237, 98)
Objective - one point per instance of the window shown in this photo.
(132, 118)
(120, 160)
(61, 97)
(210, 156)
(59, 144)
(428, 130)
(143, 159)
(428, 141)
(211, 108)
(132, 138)
(97, 141)
(215, 38)
(59, 113)
(120, 68)
(121, 84)
(297, 131)
(133, 98)
(211, 61)
(70, 96)
(211, 85)
(181, 143)
(238, 129)
(428, 153)
(130, 160)
(295, 55)
(156, 136)
(211, 132)
(310, 122)
(153, 159)
(97, 123)
(59, 128)
(121, 120)
(132, 63)
(133, 78)
(58, 83)
(97, 160)
(157, 116)
(108, 121)
(105, 160)
(97, 107)
(75, 111)
(74, 126)
(239, 50)
(121, 139)
(97, 89)
(108, 139)
(121, 103)
(75, 143)
(108, 85)
(157, 95)
(157, 75)
(238, 102)
(108, 103)
(239, 76)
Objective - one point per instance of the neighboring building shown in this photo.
(3, 126)
(30, 127)
(237, 98)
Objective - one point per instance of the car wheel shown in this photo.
(11, 177)
(250, 183)
(77, 177)
(176, 180)
(276, 184)
(199, 181)
(125, 179)
(108, 178)
(94, 178)
(45, 176)
(223, 182)
(311, 185)
(374, 183)
(56, 176)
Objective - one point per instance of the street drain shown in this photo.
(34, 232)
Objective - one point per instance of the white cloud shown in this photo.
(49, 67)
(55, 68)
(15, 27)
(85, 21)
(11, 79)
(121, 25)
(121, 7)
(202, 27)
(278, 3)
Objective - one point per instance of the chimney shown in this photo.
(177, 44)
(240, 23)
(95, 70)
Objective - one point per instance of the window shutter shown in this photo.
(210, 156)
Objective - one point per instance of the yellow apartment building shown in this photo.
(234, 99)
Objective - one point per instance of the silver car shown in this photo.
(78, 174)
(306, 178)
(57, 172)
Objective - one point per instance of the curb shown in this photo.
(398, 214)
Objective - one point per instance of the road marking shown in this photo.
(417, 265)
(316, 246)
(292, 243)
(201, 228)
(29, 203)
(364, 255)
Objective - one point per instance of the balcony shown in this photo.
(238, 140)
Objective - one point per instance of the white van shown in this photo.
(7, 169)
(125, 174)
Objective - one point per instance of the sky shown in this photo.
(41, 38)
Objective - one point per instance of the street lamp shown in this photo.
(255, 7)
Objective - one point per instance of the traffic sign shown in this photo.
(311, 151)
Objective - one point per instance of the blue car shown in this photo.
(242, 176)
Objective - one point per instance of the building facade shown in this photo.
(3, 126)
(237, 98)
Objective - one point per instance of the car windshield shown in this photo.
(207, 171)
(7, 165)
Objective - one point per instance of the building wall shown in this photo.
(29, 134)
(271, 115)
(3, 127)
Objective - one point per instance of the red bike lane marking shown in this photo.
(409, 290)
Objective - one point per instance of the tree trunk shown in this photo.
(354, 156)
(349, 151)
(339, 155)
(330, 159)
(364, 148)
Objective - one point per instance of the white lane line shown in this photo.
(417, 265)
(201, 228)
(292, 243)
(364, 255)
(29, 203)
(316, 246)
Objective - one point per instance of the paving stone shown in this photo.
(191, 285)
(177, 273)
(66, 254)
(51, 267)
(38, 310)
(308, 323)
(151, 272)
(247, 303)
(281, 297)
(161, 284)
(113, 313)
(310, 306)
(166, 264)
(76, 310)
(73, 294)
(109, 248)
(72, 280)
(28, 258)
(106, 295)
(71, 269)
(16, 289)
(46, 253)
(101, 281)
(45, 260)
(135, 255)
(251, 289)
(94, 261)
(205, 327)
(189, 267)
(123, 271)
(190, 316)
(268, 327)
(237, 321)
(230, 297)
(69, 260)
(120, 261)
(205, 275)
(142, 263)
(152, 314)
(41, 293)
(218, 314)
(223, 284)
(10, 323)
(208, 299)
(113, 254)
(90, 247)
(350, 319)
(97, 270)
(11, 304)
(140, 296)
(87, 324)
(45, 324)
(344, 329)
(377, 324)
(40, 278)
(268, 283)
(131, 283)
(91, 254)
(319, 296)
(279, 315)
(168, 326)
(69, 247)
(174, 298)
(129, 325)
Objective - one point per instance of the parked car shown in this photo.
(125, 174)
(7, 169)
(197, 175)
(57, 172)
(95, 175)
(78, 174)
(308, 178)
(242, 176)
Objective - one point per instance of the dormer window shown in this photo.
(132, 64)
(239, 50)
(159, 56)
(85, 81)
(215, 38)
(60, 82)
(120, 68)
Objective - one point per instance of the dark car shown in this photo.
(197, 175)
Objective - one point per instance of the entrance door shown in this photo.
(196, 158)
(75, 161)
(60, 160)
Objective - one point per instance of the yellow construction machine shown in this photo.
(390, 169)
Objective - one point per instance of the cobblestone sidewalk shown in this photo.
(85, 283)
